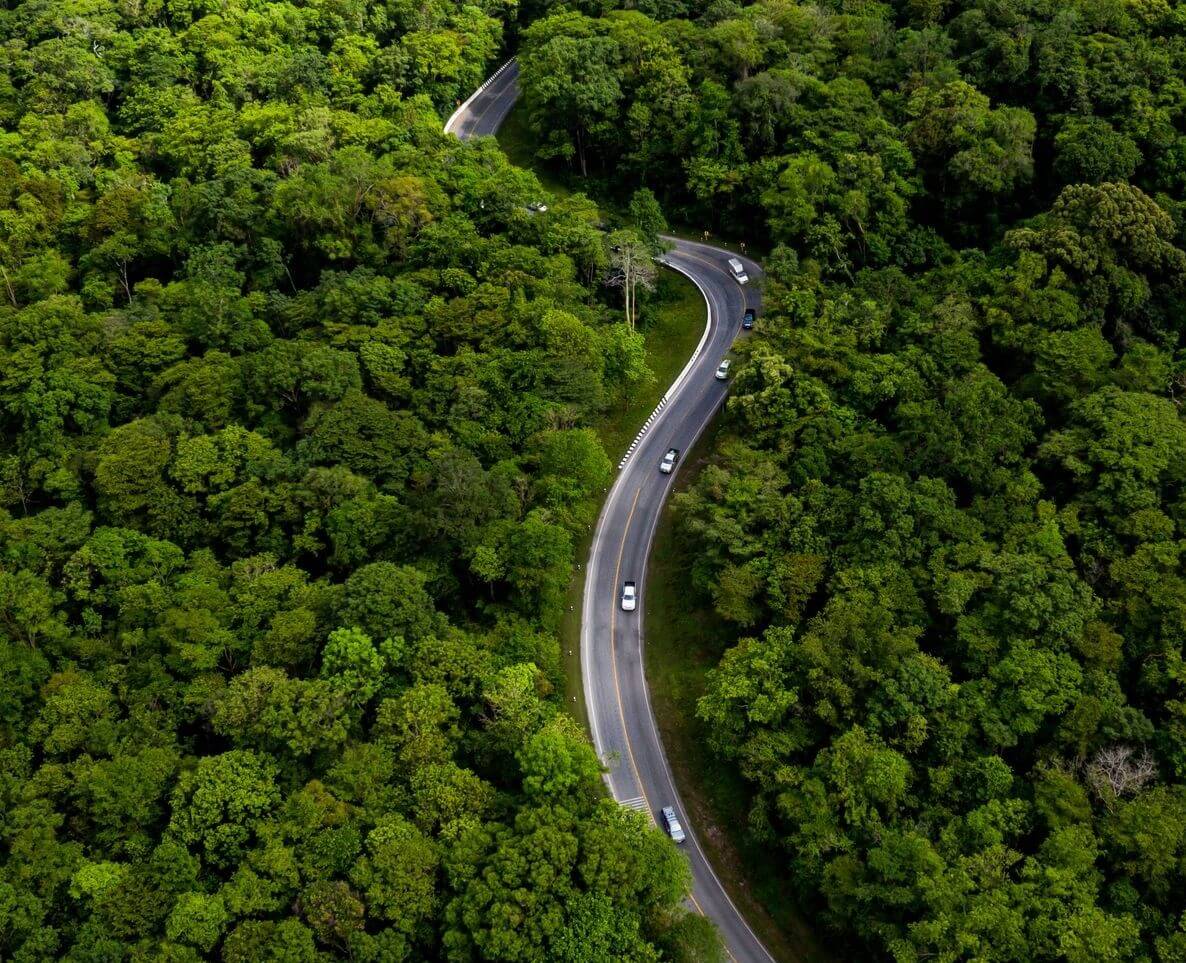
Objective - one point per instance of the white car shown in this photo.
(538, 207)
(667, 465)
(723, 371)
(629, 597)
(674, 829)
(738, 270)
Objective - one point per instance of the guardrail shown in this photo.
(679, 379)
(472, 97)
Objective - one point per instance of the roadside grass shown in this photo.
(674, 322)
(683, 641)
(519, 144)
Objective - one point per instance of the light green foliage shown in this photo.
(351, 663)
(557, 762)
(219, 805)
(198, 920)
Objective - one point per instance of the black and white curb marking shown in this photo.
(470, 99)
(687, 367)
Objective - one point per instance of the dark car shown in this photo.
(747, 319)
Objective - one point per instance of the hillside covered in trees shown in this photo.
(293, 451)
(948, 519)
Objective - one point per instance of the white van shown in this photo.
(738, 270)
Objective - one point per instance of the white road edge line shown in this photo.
(472, 97)
(587, 678)
(679, 379)
(646, 694)
(646, 689)
(611, 498)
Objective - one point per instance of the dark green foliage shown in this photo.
(946, 517)
(864, 135)
(952, 534)
(292, 462)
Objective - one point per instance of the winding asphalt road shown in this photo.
(612, 667)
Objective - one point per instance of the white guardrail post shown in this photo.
(472, 97)
(679, 380)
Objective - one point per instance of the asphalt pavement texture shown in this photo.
(623, 726)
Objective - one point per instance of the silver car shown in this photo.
(674, 829)
(667, 465)
(723, 371)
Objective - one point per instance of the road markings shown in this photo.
(677, 385)
(486, 84)
(606, 511)
(613, 649)
(475, 121)
(650, 713)
(724, 942)
(642, 803)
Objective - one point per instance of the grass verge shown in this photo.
(519, 144)
(676, 323)
(675, 326)
(683, 642)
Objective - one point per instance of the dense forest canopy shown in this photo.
(948, 520)
(294, 396)
(294, 454)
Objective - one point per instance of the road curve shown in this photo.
(487, 107)
(612, 667)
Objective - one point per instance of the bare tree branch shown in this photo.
(1116, 771)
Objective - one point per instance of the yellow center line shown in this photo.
(613, 621)
(614, 649)
(696, 257)
(613, 644)
(692, 897)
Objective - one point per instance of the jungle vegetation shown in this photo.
(948, 516)
(294, 448)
